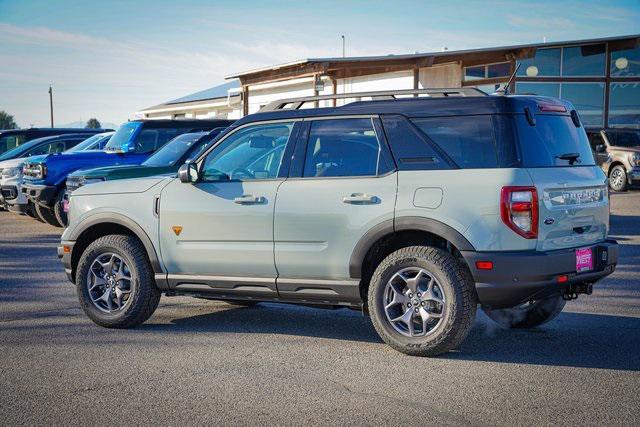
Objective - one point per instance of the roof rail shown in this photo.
(296, 103)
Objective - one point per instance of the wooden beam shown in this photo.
(245, 100)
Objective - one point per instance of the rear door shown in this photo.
(572, 192)
(342, 184)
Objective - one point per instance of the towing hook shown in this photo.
(573, 290)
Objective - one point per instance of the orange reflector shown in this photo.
(563, 279)
(484, 265)
(66, 249)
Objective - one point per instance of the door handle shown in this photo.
(249, 199)
(360, 199)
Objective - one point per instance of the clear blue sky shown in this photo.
(107, 59)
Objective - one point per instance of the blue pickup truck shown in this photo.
(132, 144)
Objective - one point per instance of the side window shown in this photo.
(468, 140)
(342, 147)
(251, 153)
(595, 139)
(52, 147)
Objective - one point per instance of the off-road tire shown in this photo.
(46, 215)
(622, 186)
(460, 298)
(58, 209)
(529, 316)
(146, 295)
(31, 211)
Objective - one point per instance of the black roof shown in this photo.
(418, 107)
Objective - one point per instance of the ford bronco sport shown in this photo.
(414, 210)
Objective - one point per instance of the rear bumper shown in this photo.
(519, 276)
(41, 194)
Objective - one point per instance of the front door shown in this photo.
(345, 187)
(218, 233)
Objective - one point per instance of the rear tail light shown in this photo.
(519, 210)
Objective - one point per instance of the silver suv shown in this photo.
(414, 210)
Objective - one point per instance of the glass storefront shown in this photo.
(579, 75)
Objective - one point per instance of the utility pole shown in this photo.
(51, 103)
(343, 53)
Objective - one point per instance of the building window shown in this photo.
(540, 89)
(480, 72)
(625, 63)
(545, 63)
(624, 104)
(588, 60)
(588, 100)
(499, 70)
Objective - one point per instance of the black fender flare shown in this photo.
(400, 224)
(119, 219)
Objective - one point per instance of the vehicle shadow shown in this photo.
(573, 339)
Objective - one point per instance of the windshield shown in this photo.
(553, 141)
(88, 144)
(22, 150)
(121, 140)
(624, 138)
(175, 149)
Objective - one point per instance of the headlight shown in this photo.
(37, 171)
(634, 159)
(75, 182)
(10, 173)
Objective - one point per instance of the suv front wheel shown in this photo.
(422, 301)
(618, 178)
(115, 282)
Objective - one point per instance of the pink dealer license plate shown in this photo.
(584, 260)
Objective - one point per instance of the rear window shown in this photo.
(553, 141)
(470, 141)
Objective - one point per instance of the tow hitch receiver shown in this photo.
(573, 290)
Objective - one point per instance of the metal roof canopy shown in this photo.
(338, 67)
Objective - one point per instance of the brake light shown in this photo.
(484, 265)
(519, 210)
(552, 108)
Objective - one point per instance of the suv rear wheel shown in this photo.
(618, 178)
(527, 315)
(46, 215)
(422, 301)
(115, 283)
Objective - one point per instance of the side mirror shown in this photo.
(188, 173)
(600, 148)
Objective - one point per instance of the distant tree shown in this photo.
(93, 124)
(6, 121)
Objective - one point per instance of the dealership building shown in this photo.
(601, 77)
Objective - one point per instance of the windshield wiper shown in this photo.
(570, 157)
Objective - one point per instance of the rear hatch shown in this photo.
(572, 192)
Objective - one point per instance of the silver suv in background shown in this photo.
(617, 151)
(413, 206)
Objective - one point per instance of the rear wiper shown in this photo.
(571, 157)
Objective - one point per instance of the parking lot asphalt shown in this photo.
(199, 361)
